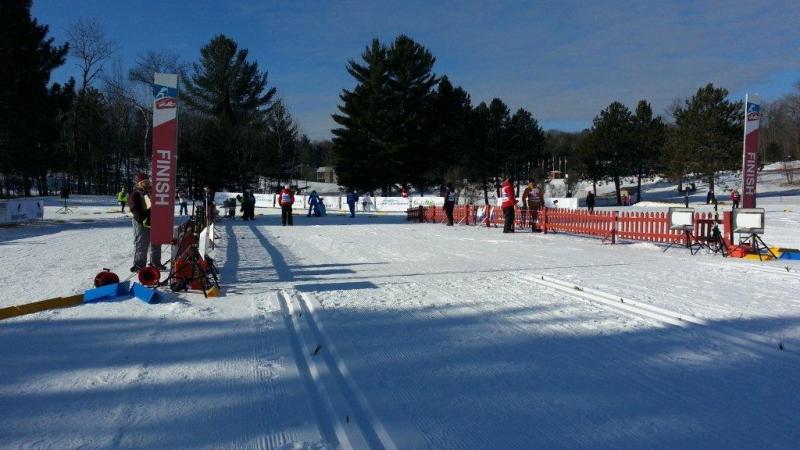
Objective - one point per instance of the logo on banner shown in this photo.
(165, 97)
(753, 112)
(166, 103)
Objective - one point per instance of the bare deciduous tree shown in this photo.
(89, 45)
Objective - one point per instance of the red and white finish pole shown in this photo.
(165, 157)
(752, 119)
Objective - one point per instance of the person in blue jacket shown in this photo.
(352, 199)
(313, 204)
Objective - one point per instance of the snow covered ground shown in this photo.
(375, 333)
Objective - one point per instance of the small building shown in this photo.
(326, 174)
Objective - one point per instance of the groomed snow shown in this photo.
(376, 333)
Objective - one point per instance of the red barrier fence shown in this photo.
(607, 225)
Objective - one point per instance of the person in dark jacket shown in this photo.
(590, 201)
(248, 205)
(286, 200)
(352, 200)
(449, 204)
(313, 204)
(508, 202)
(139, 205)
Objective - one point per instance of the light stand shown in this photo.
(692, 243)
(683, 219)
(755, 241)
(64, 209)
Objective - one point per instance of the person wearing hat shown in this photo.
(139, 205)
(286, 199)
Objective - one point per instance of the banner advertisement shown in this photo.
(752, 118)
(21, 210)
(165, 157)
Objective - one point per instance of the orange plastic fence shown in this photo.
(611, 225)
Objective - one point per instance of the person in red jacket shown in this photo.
(286, 199)
(735, 197)
(508, 201)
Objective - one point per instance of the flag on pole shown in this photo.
(165, 157)
(752, 119)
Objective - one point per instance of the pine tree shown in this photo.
(612, 138)
(709, 127)
(526, 145)
(29, 108)
(282, 141)
(387, 121)
(648, 137)
(364, 155)
(231, 94)
(452, 108)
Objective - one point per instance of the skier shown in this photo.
(352, 199)
(313, 204)
(508, 201)
(735, 198)
(286, 199)
(122, 198)
(590, 201)
(449, 204)
(139, 204)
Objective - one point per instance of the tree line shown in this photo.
(93, 134)
(403, 125)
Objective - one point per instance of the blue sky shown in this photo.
(562, 60)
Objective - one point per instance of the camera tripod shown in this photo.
(64, 209)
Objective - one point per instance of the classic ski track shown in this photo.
(772, 269)
(366, 419)
(319, 373)
(265, 354)
(750, 341)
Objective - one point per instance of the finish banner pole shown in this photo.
(752, 118)
(165, 157)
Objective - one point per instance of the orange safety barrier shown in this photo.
(608, 225)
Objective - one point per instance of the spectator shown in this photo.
(122, 198)
(449, 204)
(248, 205)
(139, 205)
(590, 201)
(735, 197)
(183, 202)
(286, 200)
(313, 202)
(508, 202)
(352, 200)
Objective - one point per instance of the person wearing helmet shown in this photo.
(139, 205)
(286, 199)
